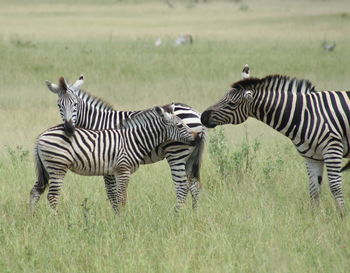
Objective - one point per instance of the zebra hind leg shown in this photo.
(41, 183)
(54, 189)
(111, 189)
(315, 172)
(35, 194)
(333, 159)
(122, 182)
(194, 187)
(181, 184)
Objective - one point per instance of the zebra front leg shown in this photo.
(315, 172)
(55, 185)
(333, 159)
(111, 189)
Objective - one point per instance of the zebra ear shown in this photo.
(169, 108)
(248, 95)
(54, 88)
(62, 85)
(78, 83)
(159, 110)
(163, 114)
(172, 105)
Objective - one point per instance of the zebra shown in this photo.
(104, 152)
(93, 113)
(317, 122)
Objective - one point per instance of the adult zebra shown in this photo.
(90, 112)
(318, 123)
(105, 152)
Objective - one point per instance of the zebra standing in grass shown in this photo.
(105, 152)
(318, 123)
(93, 113)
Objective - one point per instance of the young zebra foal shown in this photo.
(105, 152)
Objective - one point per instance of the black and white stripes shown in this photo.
(111, 153)
(80, 109)
(318, 123)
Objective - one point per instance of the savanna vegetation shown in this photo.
(254, 214)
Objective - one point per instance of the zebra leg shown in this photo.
(194, 186)
(333, 159)
(178, 173)
(315, 172)
(54, 189)
(35, 194)
(111, 189)
(122, 186)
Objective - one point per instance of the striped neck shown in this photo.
(96, 114)
(279, 102)
(147, 129)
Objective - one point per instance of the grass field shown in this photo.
(253, 217)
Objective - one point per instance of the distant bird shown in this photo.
(158, 42)
(245, 72)
(170, 5)
(328, 46)
(184, 39)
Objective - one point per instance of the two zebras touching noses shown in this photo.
(317, 122)
(114, 143)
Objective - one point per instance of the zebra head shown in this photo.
(165, 122)
(176, 129)
(67, 102)
(233, 108)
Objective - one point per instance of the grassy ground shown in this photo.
(253, 217)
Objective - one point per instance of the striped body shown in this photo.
(85, 153)
(94, 114)
(317, 122)
(310, 119)
(184, 160)
(116, 153)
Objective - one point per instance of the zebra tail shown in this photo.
(194, 162)
(42, 174)
(346, 167)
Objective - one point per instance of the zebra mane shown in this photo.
(93, 100)
(138, 119)
(252, 82)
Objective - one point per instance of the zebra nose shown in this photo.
(69, 128)
(205, 118)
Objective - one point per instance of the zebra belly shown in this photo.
(308, 151)
(155, 155)
(317, 151)
(93, 169)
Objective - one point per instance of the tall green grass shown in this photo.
(254, 213)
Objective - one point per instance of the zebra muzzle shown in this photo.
(205, 119)
(69, 128)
